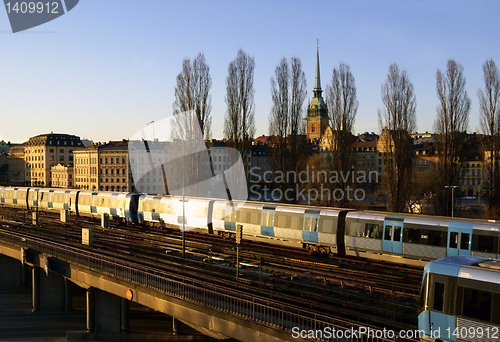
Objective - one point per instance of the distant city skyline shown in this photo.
(106, 69)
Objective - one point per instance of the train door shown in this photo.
(93, 202)
(230, 219)
(459, 239)
(440, 303)
(393, 236)
(310, 229)
(267, 226)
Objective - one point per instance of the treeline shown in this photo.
(397, 116)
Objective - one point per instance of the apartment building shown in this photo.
(62, 176)
(47, 150)
(103, 166)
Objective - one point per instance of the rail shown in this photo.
(259, 310)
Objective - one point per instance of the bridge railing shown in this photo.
(263, 311)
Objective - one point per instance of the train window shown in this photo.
(296, 223)
(326, 225)
(254, 218)
(464, 241)
(354, 229)
(307, 222)
(438, 304)
(388, 233)
(241, 216)
(157, 206)
(397, 234)
(314, 224)
(484, 243)
(147, 205)
(219, 214)
(453, 240)
(84, 199)
(280, 220)
(373, 231)
(423, 295)
(105, 202)
(412, 235)
(477, 304)
(119, 203)
(436, 238)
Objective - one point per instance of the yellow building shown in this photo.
(17, 173)
(47, 150)
(103, 167)
(62, 176)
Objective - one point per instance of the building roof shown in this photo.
(54, 139)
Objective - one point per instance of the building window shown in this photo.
(313, 128)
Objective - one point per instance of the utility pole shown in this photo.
(239, 236)
(452, 187)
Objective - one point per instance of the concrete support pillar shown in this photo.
(34, 218)
(24, 273)
(47, 291)
(68, 295)
(176, 326)
(103, 312)
(125, 314)
(35, 288)
(10, 271)
(91, 310)
(65, 216)
(105, 220)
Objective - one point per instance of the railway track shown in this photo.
(333, 286)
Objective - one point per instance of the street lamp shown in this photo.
(452, 187)
(183, 142)
(152, 122)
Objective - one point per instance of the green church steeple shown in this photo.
(317, 113)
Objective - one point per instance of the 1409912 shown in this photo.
(32, 7)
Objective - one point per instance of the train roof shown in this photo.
(467, 267)
(429, 220)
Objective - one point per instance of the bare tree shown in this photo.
(239, 123)
(342, 105)
(192, 91)
(397, 122)
(451, 126)
(489, 110)
(288, 90)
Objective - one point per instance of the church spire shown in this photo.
(317, 82)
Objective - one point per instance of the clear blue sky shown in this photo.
(108, 67)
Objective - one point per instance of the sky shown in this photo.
(105, 69)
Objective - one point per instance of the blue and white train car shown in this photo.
(363, 233)
(54, 199)
(86, 203)
(460, 300)
(172, 209)
(14, 196)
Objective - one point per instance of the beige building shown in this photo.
(17, 173)
(103, 167)
(365, 157)
(62, 176)
(47, 150)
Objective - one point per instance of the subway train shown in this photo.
(401, 238)
(460, 300)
